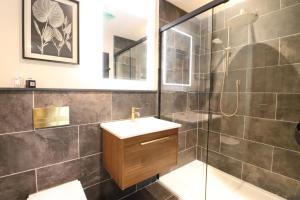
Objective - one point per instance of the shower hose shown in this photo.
(223, 83)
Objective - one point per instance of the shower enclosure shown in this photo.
(230, 74)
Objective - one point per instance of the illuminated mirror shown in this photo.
(177, 58)
(127, 38)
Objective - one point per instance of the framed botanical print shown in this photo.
(51, 30)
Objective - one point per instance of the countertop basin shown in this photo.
(127, 128)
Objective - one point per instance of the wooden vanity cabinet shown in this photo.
(132, 160)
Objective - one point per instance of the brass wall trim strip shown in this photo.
(51, 116)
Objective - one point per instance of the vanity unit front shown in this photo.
(136, 150)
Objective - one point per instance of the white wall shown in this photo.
(87, 75)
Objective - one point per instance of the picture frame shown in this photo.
(50, 30)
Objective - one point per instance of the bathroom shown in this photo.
(210, 90)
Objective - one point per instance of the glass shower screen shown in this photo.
(185, 84)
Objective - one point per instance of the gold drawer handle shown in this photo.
(154, 141)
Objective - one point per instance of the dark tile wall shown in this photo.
(9, 113)
(18, 186)
(179, 103)
(33, 160)
(168, 12)
(258, 144)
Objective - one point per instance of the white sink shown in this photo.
(140, 126)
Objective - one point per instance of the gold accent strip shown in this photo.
(154, 141)
(51, 116)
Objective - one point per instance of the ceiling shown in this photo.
(189, 5)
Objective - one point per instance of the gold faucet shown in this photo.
(134, 113)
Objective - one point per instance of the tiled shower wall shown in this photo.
(258, 144)
(33, 160)
(168, 12)
(180, 104)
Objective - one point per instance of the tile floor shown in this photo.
(154, 191)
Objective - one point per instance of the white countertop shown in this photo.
(140, 126)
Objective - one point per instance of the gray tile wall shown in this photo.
(33, 160)
(258, 144)
(168, 12)
(178, 103)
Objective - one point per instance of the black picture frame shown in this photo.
(28, 19)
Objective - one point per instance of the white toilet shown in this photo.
(68, 191)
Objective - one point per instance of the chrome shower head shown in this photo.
(217, 41)
(242, 19)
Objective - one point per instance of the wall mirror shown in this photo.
(127, 39)
(177, 60)
(118, 45)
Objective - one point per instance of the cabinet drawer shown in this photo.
(149, 156)
(132, 160)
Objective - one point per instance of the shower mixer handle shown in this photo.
(227, 55)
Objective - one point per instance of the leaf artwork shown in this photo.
(56, 17)
(37, 28)
(55, 25)
(61, 44)
(57, 34)
(68, 29)
(69, 45)
(48, 11)
(66, 21)
(48, 34)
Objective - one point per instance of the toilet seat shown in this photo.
(68, 191)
